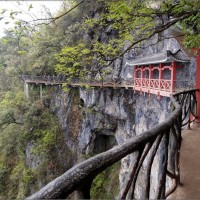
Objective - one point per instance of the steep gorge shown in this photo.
(67, 127)
(96, 119)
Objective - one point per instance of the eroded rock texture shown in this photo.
(97, 119)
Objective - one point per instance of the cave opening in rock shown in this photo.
(103, 143)
(81, 102)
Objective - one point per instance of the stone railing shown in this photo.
(165, 137)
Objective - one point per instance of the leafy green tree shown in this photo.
(81, 40)
(25, 121)
(130, 22)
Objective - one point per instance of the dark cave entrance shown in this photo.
(103, 143)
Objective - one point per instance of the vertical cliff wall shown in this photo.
(96, 119)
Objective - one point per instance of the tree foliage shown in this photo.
(80, 41)
(122, 25)
(28, 127)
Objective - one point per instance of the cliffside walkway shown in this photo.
(76, 82)
(190, 165)
(160, 88)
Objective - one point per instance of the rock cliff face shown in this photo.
(97, 119)
(104, 118)
(114, 116)
(65, 105)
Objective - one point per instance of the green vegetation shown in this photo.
(30, 135)
(123, 25)
(106, 184)
(26, 123)
(82, 42)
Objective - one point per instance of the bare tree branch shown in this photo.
(53, 19)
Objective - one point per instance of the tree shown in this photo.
(25, 122)
(130, 22)
(90, 36)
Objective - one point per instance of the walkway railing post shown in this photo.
(40, 91)
(150, 77)
(142, 78)
(198, 84)
(26, 90)
(173, 76)
(160, 75)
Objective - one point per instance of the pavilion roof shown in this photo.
(162, 57)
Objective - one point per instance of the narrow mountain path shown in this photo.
(189, 165)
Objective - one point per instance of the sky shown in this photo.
(37, 11)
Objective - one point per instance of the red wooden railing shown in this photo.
(154, 86)
(146, 83)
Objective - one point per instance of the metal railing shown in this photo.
(166, 137)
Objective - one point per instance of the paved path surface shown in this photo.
(190, 165)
